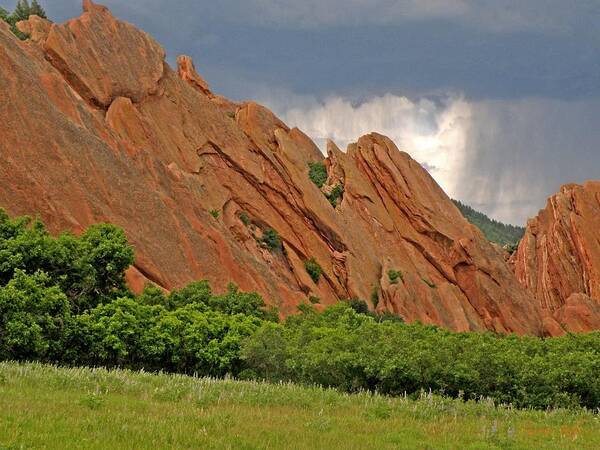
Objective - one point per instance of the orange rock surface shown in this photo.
(558, 260)
(97, 127)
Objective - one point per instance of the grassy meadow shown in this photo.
(43, 406)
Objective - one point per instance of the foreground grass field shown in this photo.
(44, 406)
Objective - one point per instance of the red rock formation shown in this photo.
(558, 260)
(97, 127)
(187, 72)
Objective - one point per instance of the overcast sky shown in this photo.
(499, 99)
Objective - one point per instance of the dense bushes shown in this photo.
(33, 317)
(89, 269)
(351, 351)
(63, 300)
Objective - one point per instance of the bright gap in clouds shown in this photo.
(502, 157)
(432, 132)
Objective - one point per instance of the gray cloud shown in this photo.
(521, 151)
(502, 157)
(495, 15)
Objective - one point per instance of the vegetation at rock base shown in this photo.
(22, 11)
(374, 296)
(313, 269)
(63, 300)
(493, 230)
(44, 406)
(317, 172)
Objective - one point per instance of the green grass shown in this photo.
(44, 406)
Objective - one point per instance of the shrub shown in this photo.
(374, 297)
(314, 299)
(336, 193)
(511, 248)
(358, 305)
(271, 239)
(317, 172)
(336, 349)
(394, 276)
(231, 114)
(245, 218)
(214, 213)
(313, 269)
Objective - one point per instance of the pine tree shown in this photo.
(21, 11)
(37, 9)
(3, 14)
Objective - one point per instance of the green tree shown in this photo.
(22, 10)
(152, 295)
(198, 292)
(33, 317)
(89, 269)
(37, 9)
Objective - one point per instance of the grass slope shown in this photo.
(493, 230)
(44, 406)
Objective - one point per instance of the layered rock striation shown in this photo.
(97, 127)
(558, 260)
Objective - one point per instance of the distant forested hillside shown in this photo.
(493, 230)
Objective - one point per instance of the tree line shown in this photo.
(64, 300)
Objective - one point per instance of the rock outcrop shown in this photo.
(97, 127)
(558, 260)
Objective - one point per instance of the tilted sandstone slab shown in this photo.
(104, 58)
(107, 131)
(558, 260)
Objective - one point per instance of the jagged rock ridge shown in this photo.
(97, 127)
(558, 260)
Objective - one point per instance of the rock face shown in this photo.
(97, 127)
(558, 260)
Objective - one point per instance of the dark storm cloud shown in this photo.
(493, 48)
